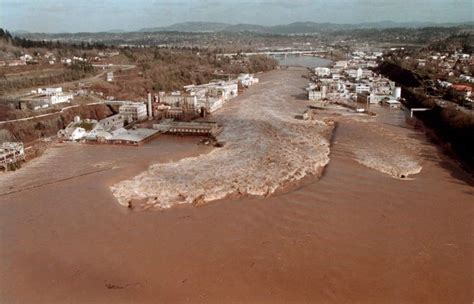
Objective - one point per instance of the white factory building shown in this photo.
(225, 90)
(134, 111)
(317, 93)
(178, 100)
(211, 104)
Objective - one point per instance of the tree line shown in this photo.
(47, 44)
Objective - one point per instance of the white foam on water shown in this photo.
(265, 148)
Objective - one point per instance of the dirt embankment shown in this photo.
(404, 77)
(448, 127)
(33, 129)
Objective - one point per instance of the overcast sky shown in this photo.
(103, 15)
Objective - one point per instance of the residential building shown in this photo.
(110, 76)
(51, 91)
(322, 71)
(60, 98)
(461, 90)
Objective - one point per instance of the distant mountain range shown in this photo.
(293, 28)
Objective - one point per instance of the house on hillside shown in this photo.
(461, 90)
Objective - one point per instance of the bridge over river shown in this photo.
(276, 53)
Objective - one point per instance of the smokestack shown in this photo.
(150, 113)
(398, 93)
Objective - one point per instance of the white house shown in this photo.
(72, 133)
(60, 98)
(52, 91)
(110, 76)
(26, 58)
(322, 71)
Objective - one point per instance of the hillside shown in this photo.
(197, 27)
(293, 28)
(36, 128)
(464, 42)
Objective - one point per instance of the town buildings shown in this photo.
(352, 80)
(45, 97)
(197, 100)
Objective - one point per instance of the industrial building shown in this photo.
(133, 112)
(133, 137)
(247, 80)
(201, 128)
(318, 93)
(10, 154)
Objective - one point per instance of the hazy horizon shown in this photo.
(128, 15)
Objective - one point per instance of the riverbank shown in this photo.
(450, 126)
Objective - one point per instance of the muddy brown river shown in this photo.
(354, 235)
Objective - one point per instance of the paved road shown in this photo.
(48, 114)
(107, 68)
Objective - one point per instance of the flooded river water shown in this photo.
(355, 235)
(302, 61)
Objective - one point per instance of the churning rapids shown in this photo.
(265, 148)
